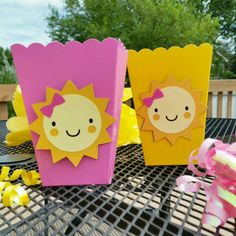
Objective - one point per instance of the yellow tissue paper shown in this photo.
(18, 125)
(127, 94)
(18, 102)
(128, 132)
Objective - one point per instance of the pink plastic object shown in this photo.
(101, 63)
(221, 193)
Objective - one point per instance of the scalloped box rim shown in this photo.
(163, 49)
(71, 42)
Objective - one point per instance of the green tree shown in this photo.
(225, 46)
(5, 57)
(139, 24)
(225, 10)
(7, 70)
(7, 73)
(223, 66)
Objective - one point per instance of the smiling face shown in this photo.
(73, 125)
(173, 112)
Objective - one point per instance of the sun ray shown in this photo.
(147, 126)
(172, 139)
(103, 102)
(69, 86)
(157, 136)
(92, 152)
(186, 83)
(87, 91)
(197, 94)
(155, 84)
(105, 138)
(49, 93)
(43, 144)
(75, 158)
(37, 108)
(35, 127)
(170, 80)
(108, 120)
(56, 155)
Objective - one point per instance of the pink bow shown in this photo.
(218, 159)
(57, 100)
(157, 94)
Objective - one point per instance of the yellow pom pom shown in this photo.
(17, 138)
(127, 94)
(128, 132)
(16, 124)
(18, 102)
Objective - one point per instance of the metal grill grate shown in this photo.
(142, 200)
(4, 149)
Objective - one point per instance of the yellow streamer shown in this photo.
(16, 174)
(16, 194)
(31, 177)
(4, 173)
(4, 185)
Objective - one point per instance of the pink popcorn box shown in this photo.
(73, 95)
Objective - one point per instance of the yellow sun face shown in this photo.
(171, 110)
(72, 123)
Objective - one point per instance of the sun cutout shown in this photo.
(171, 110)
(72, 123)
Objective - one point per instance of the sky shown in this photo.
(23, 21)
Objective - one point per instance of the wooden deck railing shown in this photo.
(217, 87)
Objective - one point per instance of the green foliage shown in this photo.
(5, 57)
(7, 70)
(7, 73)
(225, 10)
(139, 24)
(224, 50)
(233, 63)
(223, 62)
(11, 111)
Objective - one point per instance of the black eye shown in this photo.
(186, 108)
(156, 110)
(53, 123)
(90, 120)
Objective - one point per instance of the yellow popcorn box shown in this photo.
(170, 91)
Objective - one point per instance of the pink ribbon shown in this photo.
(157, 94)
(57, 100)
(218, 159)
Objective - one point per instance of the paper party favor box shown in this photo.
(72, 94)
(170, 90)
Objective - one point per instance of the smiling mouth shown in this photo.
(72, 135)
(172, 119)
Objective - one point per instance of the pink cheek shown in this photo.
(187, 115)
(156, 117)
(54, 132)
(92, 129)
